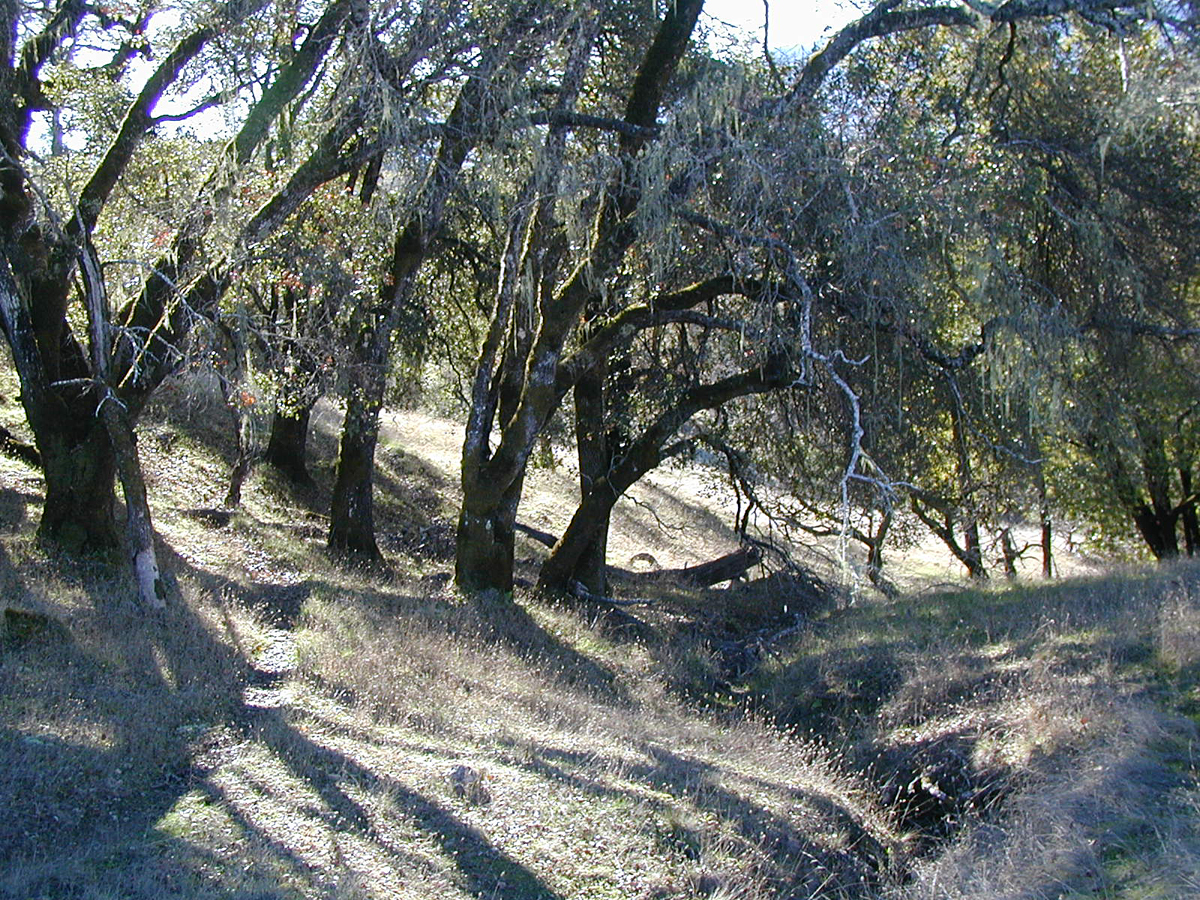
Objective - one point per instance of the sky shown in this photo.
(796, 25)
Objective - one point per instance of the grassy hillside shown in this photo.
(290, 730)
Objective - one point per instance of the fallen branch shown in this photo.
(582, 593)
(542, 537)
(724, 568)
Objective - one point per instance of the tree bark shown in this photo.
(972, 546)
(118, 423)
(875, 552)
(1009, 551)
(1158, 520)
(1158, 531)
(139, 529)
(287, 446)
(352, 515)
(945, 531)
(643, 455)
(595, 459)
(723, 568)
(232, 376)
(80, 472)
(485, 543)
(1047, 522)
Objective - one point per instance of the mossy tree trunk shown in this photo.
(80, 472)
(352, 516)
(485, 543)
(595, 461)
(492, 479)
(352, 524)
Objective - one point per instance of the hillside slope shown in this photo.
(291, 730)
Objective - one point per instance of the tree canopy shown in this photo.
(944, 266)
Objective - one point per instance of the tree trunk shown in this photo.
(559, 570)
(139, 529)
(723, 568)
(972, 555)
(1187, 513)
(486, 476)
(352, 520)
(1158, 531)
(1157, 521)
(352, 516)
(234, 365)
(1046, 522)
(237, 475)
(239, 419)
(645, 454)
(973, 549)
(287, 447)
(485, 541)
(1047, 545)
(595, 458)
(945, 530)
(80, 472)
(875, 554)
(1009, 550)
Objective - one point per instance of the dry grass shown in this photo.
(291, 730)
(1035, 742)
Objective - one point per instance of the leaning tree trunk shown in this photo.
(924, 505)
(560, 569)
(1010, 553)
(642, 456)
(118, 423)
(139, 529)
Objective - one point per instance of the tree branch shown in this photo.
(878, 22)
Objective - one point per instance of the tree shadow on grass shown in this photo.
(140, 697)
(853, 862)
(484, 869)
(99, 721)
(795, 861)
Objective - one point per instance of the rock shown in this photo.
(470, 785)
(212, 517)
